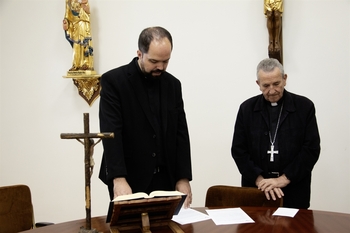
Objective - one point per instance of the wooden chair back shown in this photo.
(232, 196)
(16, 209)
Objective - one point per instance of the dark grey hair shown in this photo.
(268, 65)
(150, 34)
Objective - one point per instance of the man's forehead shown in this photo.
(159, 50)
(157, 57)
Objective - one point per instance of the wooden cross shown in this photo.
(89, 164)
(272, 152)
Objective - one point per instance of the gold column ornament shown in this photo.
(76, 25)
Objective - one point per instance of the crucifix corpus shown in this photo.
(89, 164)
(273, 10)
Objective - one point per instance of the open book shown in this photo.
(140, 195)
(154, 194)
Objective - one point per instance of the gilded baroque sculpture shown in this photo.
(76, 25)
(273, 10)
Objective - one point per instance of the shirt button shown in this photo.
(154, 154)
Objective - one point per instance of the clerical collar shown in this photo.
(279, 102)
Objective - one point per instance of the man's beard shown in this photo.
(150, 74)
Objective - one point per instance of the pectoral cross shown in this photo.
(89, 164)
(272, 152)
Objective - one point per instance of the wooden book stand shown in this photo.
(145, 214)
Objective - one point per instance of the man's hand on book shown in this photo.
(121, 187)
(183, 186)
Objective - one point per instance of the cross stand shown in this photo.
(89, 164)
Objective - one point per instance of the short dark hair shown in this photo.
(150, 34)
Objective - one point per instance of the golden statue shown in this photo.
(76, 24)
(273, 10)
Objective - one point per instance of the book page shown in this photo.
(132, 196)
(160, 193)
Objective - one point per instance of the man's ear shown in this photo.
(285, 79)
(139, 54)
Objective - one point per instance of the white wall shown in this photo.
(217, 45)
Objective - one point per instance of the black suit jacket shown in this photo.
(125, 110)
(298, 143)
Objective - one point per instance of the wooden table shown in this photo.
(308, 221)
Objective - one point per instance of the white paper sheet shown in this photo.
(288, 212)
(186, 216)
(229, 216)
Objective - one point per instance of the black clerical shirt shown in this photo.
(274, 114)
(152, 87)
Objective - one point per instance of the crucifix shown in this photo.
(272, 152)
(89, 164)
(273, 10)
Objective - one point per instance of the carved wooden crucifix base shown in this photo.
(89, 164)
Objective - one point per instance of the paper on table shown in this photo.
(186, 216)
(229, 216)
(288, 212)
